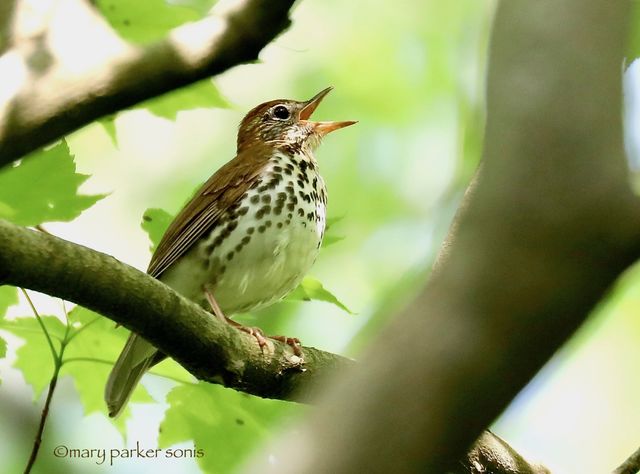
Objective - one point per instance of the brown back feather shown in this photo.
(202, 213)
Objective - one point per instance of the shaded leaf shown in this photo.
(201, 95)
(215, 417)
(43, 188)
(312, 289)
(155, 223)
(144, 21)
(109, 125)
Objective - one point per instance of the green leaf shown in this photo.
(329, 237)
(34, 357)
(201, 95)
(109, 125)
(43, 188)
(8, 297)
(201, 6)
(633, 42)
(3, 348)
(94, 347)
(224, 424)
(143, 21)
(312, 289)
(155, 223)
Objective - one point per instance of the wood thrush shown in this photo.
(250, 233)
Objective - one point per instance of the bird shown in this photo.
(249, 234)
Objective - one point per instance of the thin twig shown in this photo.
(52, 385)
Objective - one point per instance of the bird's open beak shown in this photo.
(321, 128)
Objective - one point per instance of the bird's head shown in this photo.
(286, 122)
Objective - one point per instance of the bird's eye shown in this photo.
(281, 112)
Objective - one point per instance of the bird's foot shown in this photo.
(257, 333)
(292, 342)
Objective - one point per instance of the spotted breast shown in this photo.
(264, 244)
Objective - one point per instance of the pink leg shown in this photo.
(252, 331)
(293, 342)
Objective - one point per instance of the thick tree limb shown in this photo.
(210, 350)
(67, 67)
(550, 225)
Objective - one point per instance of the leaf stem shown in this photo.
(42, 326)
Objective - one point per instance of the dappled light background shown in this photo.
(413, 76)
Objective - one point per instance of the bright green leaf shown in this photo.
(201, 6)
(8, 297)
(155, 223)
(215, 417)
(201, 95)
(89, 357)
(144, 21)
(312, 289)
(44, 188)
(34, 358)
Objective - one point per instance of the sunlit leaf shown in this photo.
(89, 358)
(143, 21)
(201, 95)
(43, 188)
(8, 297)
(213, 416)
(155, 223)
(312, 289)
(34, 358)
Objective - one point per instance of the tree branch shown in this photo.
(207, 348)
(59, 74)
(548, 228)
(631, 465)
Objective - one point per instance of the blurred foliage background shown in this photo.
(414, 78)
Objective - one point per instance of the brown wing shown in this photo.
(202, 213)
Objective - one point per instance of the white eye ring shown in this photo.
(280, 112)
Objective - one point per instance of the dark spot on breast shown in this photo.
(254, 199)
(310, 216)
(291, 206)
(250, 230)
(263, 188)
(303, 165)
(238, 247)
(261, 229)
(245, 240)
(277, 210)
(301, 212)
(243, 211)
(288, 221)
(300, 183)
(232, 226)
(289, 189)
(267, 224)
(279, 225)
(266, 198)
(277, 169)
(223, 269)
(230, 255)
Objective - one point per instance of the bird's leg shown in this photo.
(252, 331)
